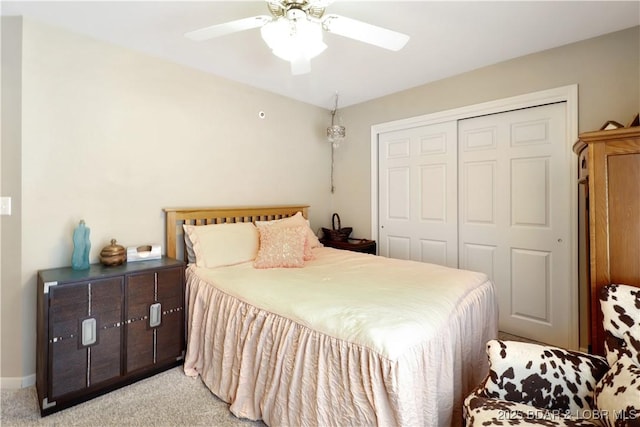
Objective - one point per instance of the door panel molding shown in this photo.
(420, 203)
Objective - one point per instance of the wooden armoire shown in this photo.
(610, 169)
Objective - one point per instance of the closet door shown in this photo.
(514, 216)
(417, 184)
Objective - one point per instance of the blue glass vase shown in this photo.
(81, 247)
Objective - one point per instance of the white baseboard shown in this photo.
(14, 383)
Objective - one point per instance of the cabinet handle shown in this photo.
(155, 315)
(89, 331)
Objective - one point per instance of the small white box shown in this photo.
(143, 253)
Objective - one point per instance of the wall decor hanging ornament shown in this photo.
(336, 133)
(81, 247)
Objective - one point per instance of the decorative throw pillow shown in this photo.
(281, 247)
(296, 220)
(543, 376)
(618, 394)
(218, 245)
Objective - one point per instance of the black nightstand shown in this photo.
(356, 245)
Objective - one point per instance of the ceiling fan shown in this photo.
(294, 31)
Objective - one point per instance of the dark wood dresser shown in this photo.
(106, 327)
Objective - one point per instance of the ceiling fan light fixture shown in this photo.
(293, 40)
(295, 28)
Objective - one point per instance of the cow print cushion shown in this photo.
(621, 321)
(481, 411)
(543, 376)
(618, 394)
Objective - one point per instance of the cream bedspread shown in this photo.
(350, 339)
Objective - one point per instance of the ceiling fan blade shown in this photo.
(227, 28)
(320, 3)
(364, 32)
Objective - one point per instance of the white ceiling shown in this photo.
(447, 38)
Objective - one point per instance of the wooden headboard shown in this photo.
(176, 217)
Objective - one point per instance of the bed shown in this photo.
(345, 338)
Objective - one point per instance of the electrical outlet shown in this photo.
(5, 205)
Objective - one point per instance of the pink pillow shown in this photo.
(281, 247)
(311, 240)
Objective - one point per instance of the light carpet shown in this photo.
(166, 399)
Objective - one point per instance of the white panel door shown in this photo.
(514, 216)
(417, 183)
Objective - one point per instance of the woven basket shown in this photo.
(338, 233)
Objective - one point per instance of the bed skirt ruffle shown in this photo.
(271, 368)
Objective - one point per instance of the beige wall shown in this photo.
(606, 69)
(11, 300)
(112, 136)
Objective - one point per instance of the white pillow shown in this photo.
(217, 245)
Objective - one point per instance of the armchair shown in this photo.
(531, 384)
